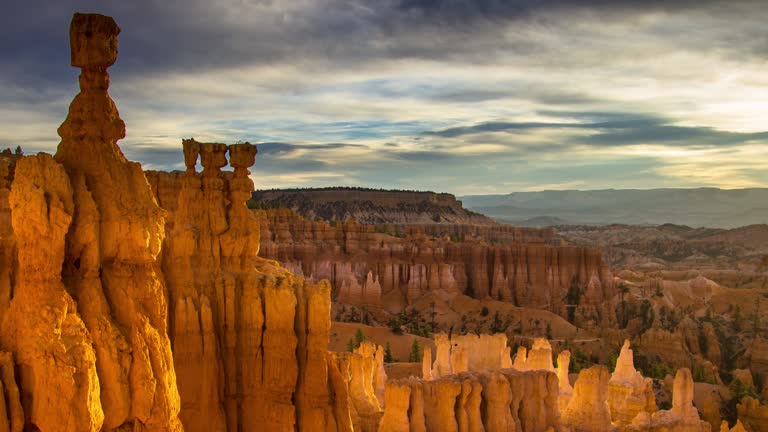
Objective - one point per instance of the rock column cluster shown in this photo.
(487, 400)
(463, 353)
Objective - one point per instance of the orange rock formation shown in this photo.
(487, 400)
(103, 275)
(628, 392)
(382, 272)
(98, 356)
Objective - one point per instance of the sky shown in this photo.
(460, 96)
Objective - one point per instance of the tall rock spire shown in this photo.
(111, 265)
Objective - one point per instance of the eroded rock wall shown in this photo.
(380, 271)
(103, 276)
(487, 400)
(86, 322)
(259, 333)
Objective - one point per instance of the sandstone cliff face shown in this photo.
(462, 353)
(628, 392)
(381, 272)
(230, 308)
(85, 292)
(682, 417)
(487, 400)
(588, 409)
(87, 320)
(753, 414)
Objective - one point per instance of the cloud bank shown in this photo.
(465, 96)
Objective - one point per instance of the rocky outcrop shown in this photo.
(363, 369)
(738, 427)
(230, 306)
(709, 399)
(376, 270)
(588, 409)
(628, 392)
(11, 412)
(87, 319)
(398, 398)
(462, 353)
(483, 351)
(753, 414)
(486, 400)
(566, 390)
(107, 269)
(712, 352)
(540, 356)
(682, 417)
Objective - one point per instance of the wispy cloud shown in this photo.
(457, 95)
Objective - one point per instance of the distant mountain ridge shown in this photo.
(700, 207)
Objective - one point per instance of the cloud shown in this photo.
(440, 94)
(621, 129)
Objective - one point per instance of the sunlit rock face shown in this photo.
(683, 416)
(86, 323)
(483, 400)
(108, 269)
(250, 338)
(588, 409)
(566, 390)
(628, 392)
(462, 353)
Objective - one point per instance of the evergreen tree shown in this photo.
(415, 355)
(388, 354)
(359, 338)
(350, 345)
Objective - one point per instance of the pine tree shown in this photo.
(388, 354)
(415, 355)
(350, 345)
(359, 338)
